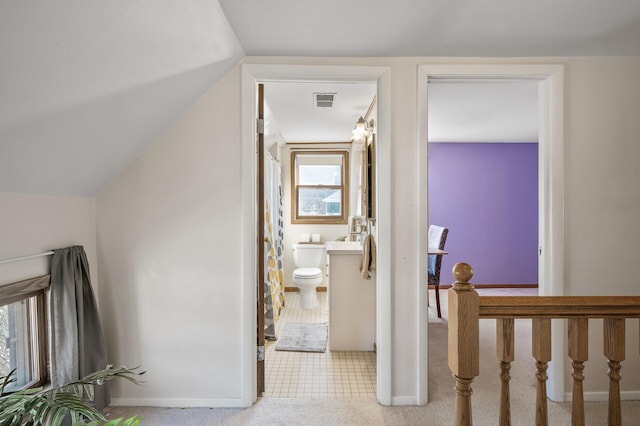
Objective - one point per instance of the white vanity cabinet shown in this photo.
(352, 300)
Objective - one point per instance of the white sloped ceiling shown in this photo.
(85, 86)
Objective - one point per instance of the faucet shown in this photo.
(360, 231)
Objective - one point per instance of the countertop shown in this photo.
(344, 247)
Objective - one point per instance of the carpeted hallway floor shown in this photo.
(439, 411)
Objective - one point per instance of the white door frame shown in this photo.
(251, 74)
(551, 195)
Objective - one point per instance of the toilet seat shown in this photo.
(307, 273)
(303, 277)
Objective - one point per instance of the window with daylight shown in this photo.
(23, 332)
(320, 187)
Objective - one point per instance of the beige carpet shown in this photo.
(439, 411)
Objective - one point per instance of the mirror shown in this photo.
(369, 178)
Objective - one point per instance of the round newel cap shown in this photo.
(462, 272)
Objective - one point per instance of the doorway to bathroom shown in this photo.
(341, 377)
(311, 178)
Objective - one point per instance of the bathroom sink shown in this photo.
(343, 245)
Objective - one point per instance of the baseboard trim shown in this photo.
(404, 400)
(604, 396)
(445, 286)
(297, 290)
(178, 402)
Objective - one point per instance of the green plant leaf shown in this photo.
(6, 380)
(51, 406)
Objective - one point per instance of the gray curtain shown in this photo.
(77, 345)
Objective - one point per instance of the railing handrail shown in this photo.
(466, 308)
(559, 306)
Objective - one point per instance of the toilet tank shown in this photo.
(309, 255)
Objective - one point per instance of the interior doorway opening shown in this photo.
(483, 178)
(251, 75)
(549, 82)
(311, 181)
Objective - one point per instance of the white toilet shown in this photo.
(309, 262)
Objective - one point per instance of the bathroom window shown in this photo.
(23, 333)
(320, 186)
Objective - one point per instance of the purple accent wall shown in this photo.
(487, 195)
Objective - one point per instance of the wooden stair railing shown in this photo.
(466, 308)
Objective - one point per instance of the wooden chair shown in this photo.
(437, 239)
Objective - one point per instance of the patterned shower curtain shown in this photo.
(273, 246)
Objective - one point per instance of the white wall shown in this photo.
(170, 253)
(168, 241)
(31, 224)
(602, 197)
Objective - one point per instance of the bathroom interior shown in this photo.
(319, 194)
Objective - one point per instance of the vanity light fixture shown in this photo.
(362, 130)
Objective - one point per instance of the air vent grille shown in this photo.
(323, 100)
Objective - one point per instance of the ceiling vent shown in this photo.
(323, 100)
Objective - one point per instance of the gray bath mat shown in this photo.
(301, 337)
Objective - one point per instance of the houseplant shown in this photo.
(50, 406)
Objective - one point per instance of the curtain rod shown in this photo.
(46, 253)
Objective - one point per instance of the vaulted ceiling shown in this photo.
(436, 27)
(85, 86)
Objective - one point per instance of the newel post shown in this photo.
(464, 346)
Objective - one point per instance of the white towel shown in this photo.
(368, 257)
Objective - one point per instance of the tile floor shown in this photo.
(332, 374)
(337, 374)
